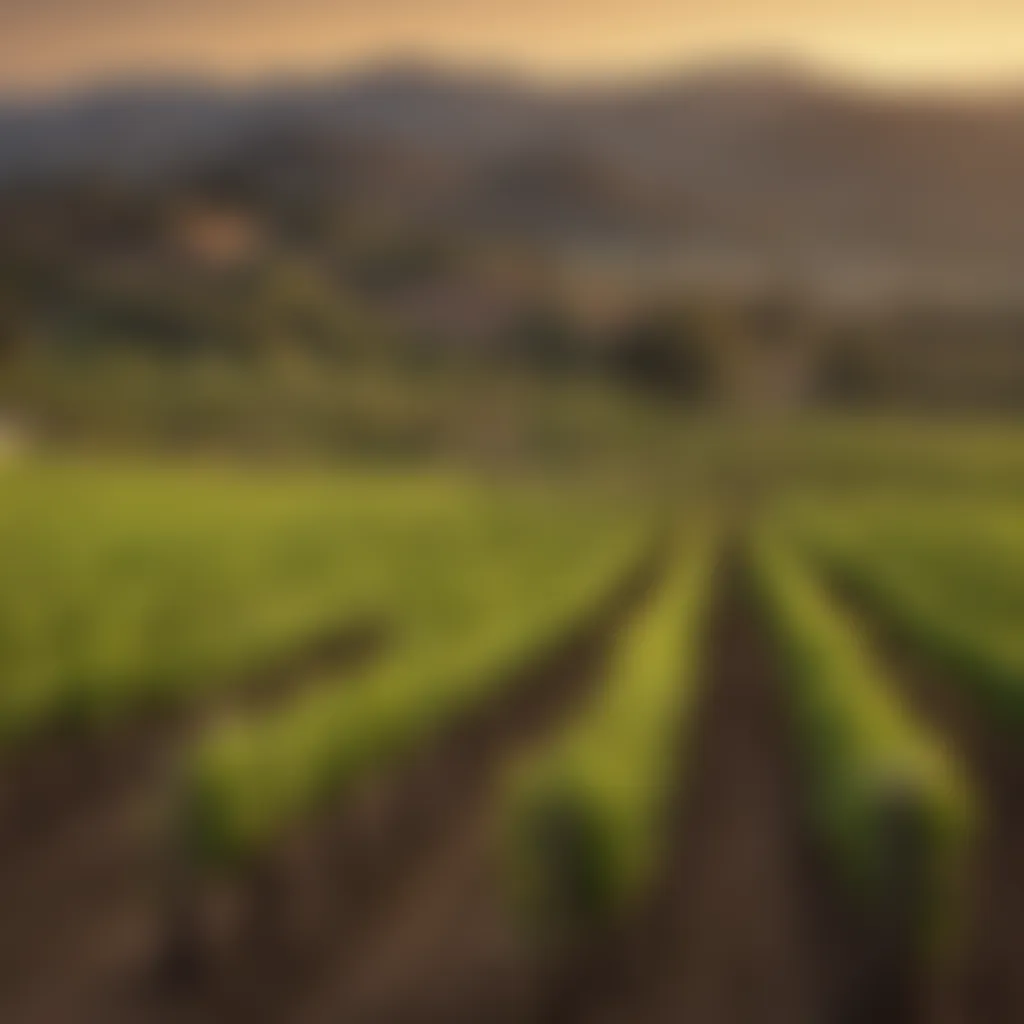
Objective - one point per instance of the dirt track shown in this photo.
(734, 933)
(86, 888)
(988, 987)
(740, 930)
(388, 912)
(81, 843)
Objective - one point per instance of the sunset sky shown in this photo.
(48, 43)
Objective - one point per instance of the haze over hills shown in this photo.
(740, 158)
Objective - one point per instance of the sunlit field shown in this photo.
(511, 512)
(396, 744)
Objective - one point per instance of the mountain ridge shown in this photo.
(768, 156)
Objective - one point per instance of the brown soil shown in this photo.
(52, 784)
(385, 892)
(387, 910)
(91, 908)
(985, 982)
(80, 824)
(742, 928)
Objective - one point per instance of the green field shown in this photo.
(134, 594)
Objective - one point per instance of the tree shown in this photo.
(667, 350)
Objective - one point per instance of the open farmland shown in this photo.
(393, 747)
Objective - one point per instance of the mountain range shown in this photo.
(737, 157)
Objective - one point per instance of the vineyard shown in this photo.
(385, 747)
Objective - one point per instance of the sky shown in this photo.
(46, 44)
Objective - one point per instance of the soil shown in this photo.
(89, 930)
(387, 910)
(985, 982)
(81, 821)
(744, 926)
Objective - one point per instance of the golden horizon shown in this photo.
(873, 44)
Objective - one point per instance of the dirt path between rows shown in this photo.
(740, 930)
(82, 835)
(737, 932)
(88, 892)
(986, 985)
(405, 923)
(432, 946)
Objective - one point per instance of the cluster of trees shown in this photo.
(220, 276)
